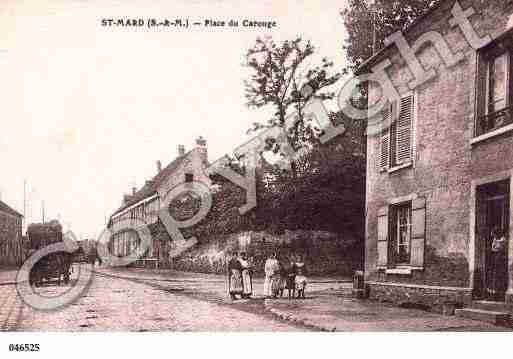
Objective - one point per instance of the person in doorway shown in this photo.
(499, 266)
(300, 279)
(271, 268)
(234, 277)
(247, 276)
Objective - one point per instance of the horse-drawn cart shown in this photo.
(53, 266)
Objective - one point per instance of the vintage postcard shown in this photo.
(266, 166)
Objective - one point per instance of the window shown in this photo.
(401, 232)
(189, 177)
(497, 80)
(495, 88)
(396, 142)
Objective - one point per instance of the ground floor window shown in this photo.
(401, 232)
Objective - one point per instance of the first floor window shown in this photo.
(494, 87)
(396, 141)
(497, 83)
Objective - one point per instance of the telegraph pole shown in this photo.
(24, 203)
(43, 210)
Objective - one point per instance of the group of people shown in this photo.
(280, 274)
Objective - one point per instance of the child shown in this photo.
(300, 279)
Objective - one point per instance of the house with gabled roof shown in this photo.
(144, 204)
(440, 168)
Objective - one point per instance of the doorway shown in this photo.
(492, 214)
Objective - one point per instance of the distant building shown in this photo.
(11, 240)
(144, 204)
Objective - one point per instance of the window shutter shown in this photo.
(384, 156)
(510, 79)
(418, 235)
(383, 237)
(404, 130)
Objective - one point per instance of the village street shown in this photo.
(113, 304)
(144, 300)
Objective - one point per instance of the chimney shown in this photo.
(159, 167)
(201, 146)
(134, 190)
(201, 142)
(181, 150)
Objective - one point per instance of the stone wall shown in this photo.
(325, 253)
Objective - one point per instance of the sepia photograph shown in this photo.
(278, 168)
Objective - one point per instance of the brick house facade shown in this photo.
(439, 178)
(144, 205)
(11, 240)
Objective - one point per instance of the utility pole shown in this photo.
(43, 210)
(24, 203)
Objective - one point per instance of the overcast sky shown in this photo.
(87, 110)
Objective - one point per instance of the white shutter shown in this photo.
(404, 130)
(383, 237)
(384, 155)
(418, 233)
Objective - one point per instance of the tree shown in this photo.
(384, 17)
(328, 194)
(279, 72)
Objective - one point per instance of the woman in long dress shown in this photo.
(290, 278)
(247, 276)
(283, 276)
(271, 268)
(234, 278)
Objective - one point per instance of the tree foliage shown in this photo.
(278, 74)
(328, 190)
(385, 17)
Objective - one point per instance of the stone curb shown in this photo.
(10, 283)
(334, 281)
(297, 320)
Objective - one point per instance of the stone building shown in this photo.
(145, 203)
(11, 240)
(439, 177)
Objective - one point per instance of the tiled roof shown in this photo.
(5, 208)
(150, 188)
